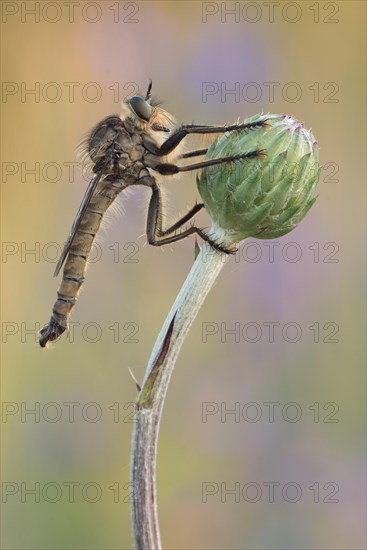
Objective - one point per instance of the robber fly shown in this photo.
(129, 150)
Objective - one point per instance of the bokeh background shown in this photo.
(312, 451)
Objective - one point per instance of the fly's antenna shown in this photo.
(149, 90)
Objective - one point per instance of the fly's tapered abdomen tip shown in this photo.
(42, 342)
(50, 332)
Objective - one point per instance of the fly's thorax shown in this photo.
(116, 145)
(102, 137)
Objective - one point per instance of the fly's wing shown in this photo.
(82, 208)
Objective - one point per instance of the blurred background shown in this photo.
(262, 437)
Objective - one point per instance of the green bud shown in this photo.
(263, 196)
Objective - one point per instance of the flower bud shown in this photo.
(263, 196)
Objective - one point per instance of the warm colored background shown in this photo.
(170, 43)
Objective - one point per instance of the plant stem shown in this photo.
(151, 397)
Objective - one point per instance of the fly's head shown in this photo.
(146, 114)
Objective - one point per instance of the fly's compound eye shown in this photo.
(140, 107)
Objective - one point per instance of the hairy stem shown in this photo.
(152, 394)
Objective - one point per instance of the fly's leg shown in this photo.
(167, 169)
(171, 143)
(158, 236)
(162, 232)
(195, 153)
(154, 218)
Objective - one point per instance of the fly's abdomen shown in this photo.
(76, 263)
